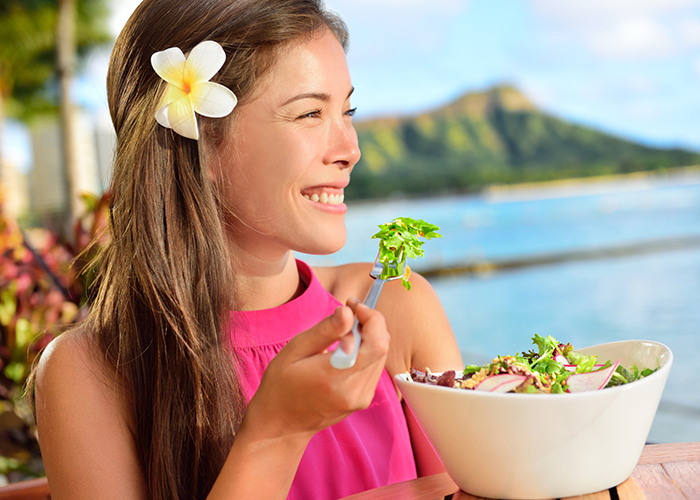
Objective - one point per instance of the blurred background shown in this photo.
(557, 145)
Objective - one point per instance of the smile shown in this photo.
(326, 195)
(325, 198)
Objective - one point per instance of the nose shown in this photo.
(343, 149)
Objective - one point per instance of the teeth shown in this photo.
(325, 198)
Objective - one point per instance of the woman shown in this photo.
(165, 393)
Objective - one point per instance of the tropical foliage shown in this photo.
(28, 46)
(44, 285)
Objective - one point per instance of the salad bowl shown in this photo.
(538, 446)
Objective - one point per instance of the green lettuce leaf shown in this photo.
(399, 240)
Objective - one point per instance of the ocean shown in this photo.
(626, 266)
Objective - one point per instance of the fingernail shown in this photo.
(337, 314)
(353, 301)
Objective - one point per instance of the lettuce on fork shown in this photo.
(398, 241)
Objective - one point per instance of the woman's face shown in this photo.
(290, 154)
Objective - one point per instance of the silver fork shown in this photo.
(343, 360)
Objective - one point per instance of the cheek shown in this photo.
(265, 173)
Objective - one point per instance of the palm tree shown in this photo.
(65, 59)
(40, 41)
(25, 36)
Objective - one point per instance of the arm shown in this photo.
(89, 452)
(300, 394)
(421, 337)
(85, 440)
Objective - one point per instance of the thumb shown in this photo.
(319, 337)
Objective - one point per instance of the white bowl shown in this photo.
(537, 446)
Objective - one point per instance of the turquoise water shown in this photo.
(653, 296)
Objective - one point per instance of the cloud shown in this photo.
(625, 29)
(637, 37)
(399, 7)
(585, 11)
(381, 29)
(689, 30)
(644, 110)
(641, 84)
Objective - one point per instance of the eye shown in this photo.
(311, 114)
(351, 112)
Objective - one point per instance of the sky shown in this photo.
(627, 67)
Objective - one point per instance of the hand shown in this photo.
(301, 393)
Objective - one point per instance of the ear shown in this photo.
(210, 159)
(216, 147)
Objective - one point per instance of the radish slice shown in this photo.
(561, 359)
(573, 368)
(501, 383)
(591, 381)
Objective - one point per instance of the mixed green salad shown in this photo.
(553, 368)
(399, 241)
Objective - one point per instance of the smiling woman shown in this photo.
(203, 370)
(292, 192)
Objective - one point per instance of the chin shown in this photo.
(328, 245)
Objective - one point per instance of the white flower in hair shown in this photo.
(189, 89)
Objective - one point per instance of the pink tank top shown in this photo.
(368, 449)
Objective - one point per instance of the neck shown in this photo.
(264, 283)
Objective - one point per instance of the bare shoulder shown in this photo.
(348, 280)
(82, 423)
(70, 351)
(71, 364)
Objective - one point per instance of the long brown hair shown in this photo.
(160, 315)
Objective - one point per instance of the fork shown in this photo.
(343, 360)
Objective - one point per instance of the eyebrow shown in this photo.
(314, 95)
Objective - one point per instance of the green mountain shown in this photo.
(482, 138)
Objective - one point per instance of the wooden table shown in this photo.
(664, 472)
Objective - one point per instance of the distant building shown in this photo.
(105, 141)
(15, 189)
(48, 185)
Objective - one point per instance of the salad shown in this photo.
(554, 368)
(398, 241)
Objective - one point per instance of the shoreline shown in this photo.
(600, 184)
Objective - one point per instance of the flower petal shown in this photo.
(171, 93)
(182, 118)
(203, 62)
(170, 66)
(212, 100)
(162, 116)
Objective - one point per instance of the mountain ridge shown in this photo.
(496, 135)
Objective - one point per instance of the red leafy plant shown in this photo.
(44, 289)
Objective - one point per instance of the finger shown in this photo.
(366, 315)
(375, 336)
(320, 337)
(352, 303)
(347, 342)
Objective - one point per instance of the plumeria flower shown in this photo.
(189, 89)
